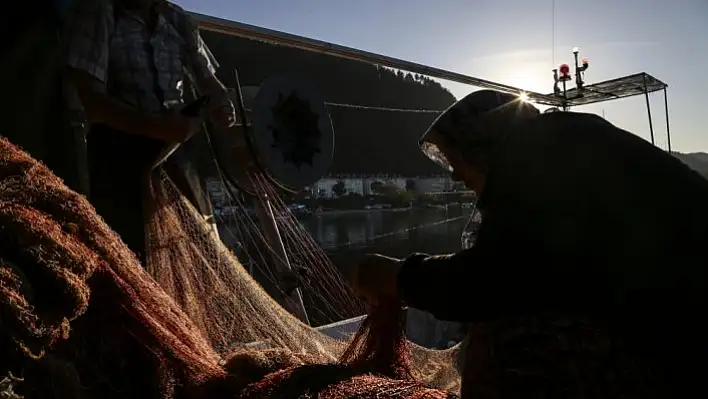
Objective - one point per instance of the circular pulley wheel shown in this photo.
(291, 133)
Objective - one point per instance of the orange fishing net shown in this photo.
(376, 363)
(81, 318)
(236, 313)
(67, 263)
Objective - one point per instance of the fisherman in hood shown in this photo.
(585, 278)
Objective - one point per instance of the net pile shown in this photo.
(59, 262)
(374, 365)
(71, 289)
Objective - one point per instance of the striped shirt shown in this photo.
(142, 67)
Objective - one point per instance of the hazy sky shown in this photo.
(511, 41)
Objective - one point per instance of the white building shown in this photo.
(323, 188)
(361, 185)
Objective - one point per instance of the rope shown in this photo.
(393, 233)
(553, 34)
(373, 108)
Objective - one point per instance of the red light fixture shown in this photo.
(564, 70)
(563, 75)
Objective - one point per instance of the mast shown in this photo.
(270, 36)
(268, 221)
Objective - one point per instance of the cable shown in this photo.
(553, 33)
(392, 233)
(273, 37)
(373, 108)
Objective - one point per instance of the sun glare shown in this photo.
(524, 97)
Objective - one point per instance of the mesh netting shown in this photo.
(60, 261)
(237, 313)
(81, 318)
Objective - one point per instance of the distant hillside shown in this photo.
(367, 141)
(698, 161)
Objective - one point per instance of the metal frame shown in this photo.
(274, 37)
(627, 86)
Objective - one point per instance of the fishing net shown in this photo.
(81, 318)
(375, 365)
(60, 261)
(235, 312)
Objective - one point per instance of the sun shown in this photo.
(524, 97)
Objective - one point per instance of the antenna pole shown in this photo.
(553, 33)
(270, 225)
(668, 130)
(646, 97)
(280, 258)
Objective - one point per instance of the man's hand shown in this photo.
(173, 127)
(222, 111)
(375, 278)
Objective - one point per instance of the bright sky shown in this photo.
(511, 41)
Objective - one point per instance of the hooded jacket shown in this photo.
(584, 226)
(578, 215)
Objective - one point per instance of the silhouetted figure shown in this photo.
(586, 277)
(128, 59)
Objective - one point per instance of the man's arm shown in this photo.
(201, 66)
(529, 254)
(200, 62)
(87, 52)
(504, 273)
